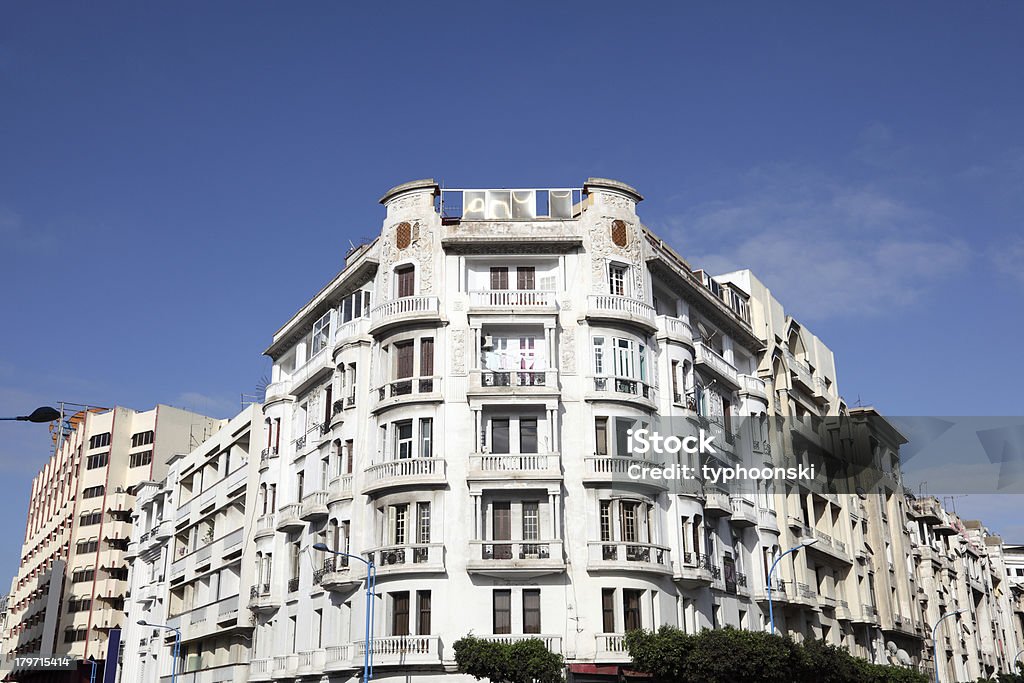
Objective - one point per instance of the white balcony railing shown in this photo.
(417, 556)
(404, 306)
(753, 385)
(497, 464)
(628, 554)
(407, 467)
(702, 353)
(520, 553)
(402, 649)
(671, 326)
(409, 386)
(624, 305)
(512, 298)
(552, 643)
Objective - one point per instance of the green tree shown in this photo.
(525, 661)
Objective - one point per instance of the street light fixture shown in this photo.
(771, 607)
(935, 642)
(44, 414)
(371, 588)
(177, 645)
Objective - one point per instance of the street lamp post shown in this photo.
(771, 608)
(177, 646)
(935, 642)
(371, 588)
(44, 414)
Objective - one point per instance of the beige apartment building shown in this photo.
(72, 582)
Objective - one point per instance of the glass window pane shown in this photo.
(499, 204)
(474, 205)
(524, 205)
(560, 202)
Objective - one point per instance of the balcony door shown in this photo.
(501, 530)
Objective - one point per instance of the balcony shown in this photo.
(717, 502)
(753, 386)
(405, 472)
(225, 673)
(515, 559)
(335, 574)
(610, 647)
(868, 614)
(830, 547)
(413, 558)
(800, 371)
(619, 556)
(805, 427)
(339, 658)
(340, 488)
(402, 650)
(310, 662)
(289, 518)
(768, 519)
(314, 506)
(261, 599)
(265, 525)
(513, 301)
(612, 308)
(674, 329)
(704, 355)
(514, 467)
(744, 512)
(260, 669)
(612, 388)
(551, 642)
(408, 390)
(928, 510)
(266, 455)
(513, 382)
(407, 309)
(696, 571)
(353, 330)
(610, 469)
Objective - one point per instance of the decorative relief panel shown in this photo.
(567, 346)
(458, 352)
(602, 248)
(419, 249)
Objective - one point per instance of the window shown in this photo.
(349, 448)
(502, 611)
(406, 280)
(87, 546)
(426, 437)
(608, 610)
(397, 518)
(606, 520)
(321, 334)
(98, 460)
(601, 435)
(90, 518)
(617, 279)
(403, 359)
(531, 610)
(142, 438)
(526, 277)
(499, 278)
(426, 357)
(403, 439)
(100, 440)
(294, 566)
(531, 521)
(403, 235)
(140, 459)
(628, 511)
(83, 575)
(422, 612)
(598, 355)
(631, 609)
(528, 435)
(423, 522)
(499, 436)
(400, 613)
(92, 491)
(619, 235)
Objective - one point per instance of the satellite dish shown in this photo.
(705, 332)
(904, 658)
(891, 646)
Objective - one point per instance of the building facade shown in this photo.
(195, 561)
(72, 581)
(455, 406)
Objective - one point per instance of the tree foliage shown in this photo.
(731, 656)
(525, 661)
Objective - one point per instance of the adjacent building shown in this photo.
(72, 582)
(195, 561)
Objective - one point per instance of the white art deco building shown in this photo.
(454, 406)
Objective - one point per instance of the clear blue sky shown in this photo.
(177, 178)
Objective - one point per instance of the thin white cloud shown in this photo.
(827, 249)
(1008, 259)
